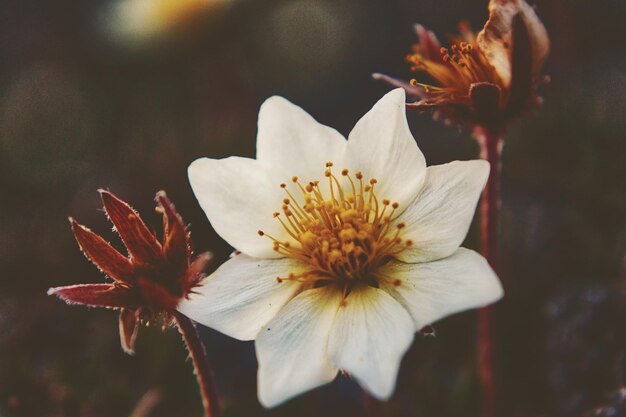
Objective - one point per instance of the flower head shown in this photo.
(348, 247)
(149, 283)
(483, 80)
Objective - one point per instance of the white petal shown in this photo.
(372, 331)
(433, 290)
(239, 196)
(382, 147)
(242, 295)
(291, 142)
(439, 218)
(292, 348)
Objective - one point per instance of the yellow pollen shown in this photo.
(342, 230)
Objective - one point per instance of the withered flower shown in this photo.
(481, 80)
(148, 284)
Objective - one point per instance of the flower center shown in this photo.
(344, 235)
(460, 66)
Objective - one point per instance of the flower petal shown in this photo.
(371, 333)
(292, 348)
(496, 38)
(242, 295)
(433, 290)
(292, 142)
(382, 147)
(439, 218)
(239, 196)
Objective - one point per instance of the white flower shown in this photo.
(351, 266)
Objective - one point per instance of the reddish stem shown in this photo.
(201, 365)
(491, 144)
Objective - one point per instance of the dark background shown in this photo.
(79, 112)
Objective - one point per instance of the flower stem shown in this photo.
(201, 365)
(491, 145)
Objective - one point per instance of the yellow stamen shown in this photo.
(343, 237)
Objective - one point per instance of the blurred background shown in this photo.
(99, 94)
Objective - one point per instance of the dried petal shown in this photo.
(176, 247)
(129, 326)
(413, 91)
(102, 254)
(141, 243)
(96, 295)
(428, 331)
(429, 44)
(496, 40)
(195, 272)
(522, 89)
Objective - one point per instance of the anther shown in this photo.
(276, 214)
(344, 172)
(400, 225)
(395, 205)
(294, 179)
(286, 201)
(358, 175)
(283, 185)
(261, 233)
(329, 164)
(327, 173)
(385, 202)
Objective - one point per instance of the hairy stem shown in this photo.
(200, 364)
(491, 144)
